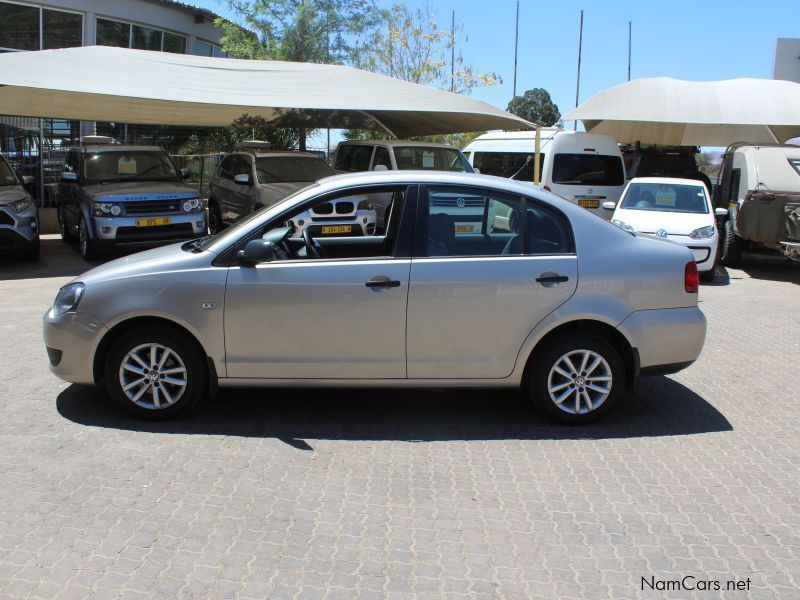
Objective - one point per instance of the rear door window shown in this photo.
(588, 169)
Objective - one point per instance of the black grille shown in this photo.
(155, 234)
(324, 209)
(344, 208)
(153, 208)
(5, 218)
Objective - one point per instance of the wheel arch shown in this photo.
(123, 327)
(629, 354)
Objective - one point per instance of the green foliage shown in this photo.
(535, 106)
(225, 139)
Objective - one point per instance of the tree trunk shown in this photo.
(302, 140)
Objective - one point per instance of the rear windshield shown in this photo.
(128, 165)
(666, 197)
(6, 174)
(587, 169)
(430, 159)
(514, 165)
(277, 169)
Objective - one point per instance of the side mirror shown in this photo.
(380, 168)
(184, 173)
(476, 170)
(721, 212)
(68, 177)
(609, 205)
(28, 180)
(243, 179)
(257, 251)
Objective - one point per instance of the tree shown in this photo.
(317, 31)
(536, 106)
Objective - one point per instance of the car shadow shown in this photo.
(57, 260)
(721, 278)
(769, 265)
(660, 406)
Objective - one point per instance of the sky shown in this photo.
(700, 41)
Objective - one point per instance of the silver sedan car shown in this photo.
(556, 301)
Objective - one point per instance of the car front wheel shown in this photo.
(156, 372)
(577, 379)
(86, 242)
(214, 218)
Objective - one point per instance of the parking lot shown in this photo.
(409, 494)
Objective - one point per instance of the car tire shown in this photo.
(731, 246)
(66, 235)
(33, 251)
(181, 378)
(214, 218)
(555, 394)
(86, 243)
(708, 276)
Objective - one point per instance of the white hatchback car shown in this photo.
(675, 209)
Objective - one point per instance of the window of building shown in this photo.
(61, 29)
(145, 38)
(174, 43)
(206, 49)
(113, 33)
(126, 35)
(19, 26)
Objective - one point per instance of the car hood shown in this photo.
(12, 193)
(140, 190)
(158, 260)
(273, 192)
(674, 223)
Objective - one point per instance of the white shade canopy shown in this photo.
(694, 113)
(99, 83)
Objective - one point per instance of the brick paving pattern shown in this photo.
(408, 494)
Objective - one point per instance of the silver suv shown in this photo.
(567, 307)
(19, 219)
(126, 196)
(249, 180)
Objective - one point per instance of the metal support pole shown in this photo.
(629, 50)
(41, 164)
(537, 146)
(453, 54)
(516, 47)
(578, 84)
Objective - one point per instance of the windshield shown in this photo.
(128, 165)
(665, 197)
(7, 176)
(430, 159)
(233, 232)
(588, 169)
(277, 169)
(514, 165)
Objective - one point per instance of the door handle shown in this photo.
(552, 279)
(382, 283)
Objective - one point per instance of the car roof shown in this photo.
(268, 153)
(395, 143)
(667, 180)
(119, 148)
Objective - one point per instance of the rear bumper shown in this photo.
(667, 340)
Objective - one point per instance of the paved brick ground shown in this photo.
(418, 494)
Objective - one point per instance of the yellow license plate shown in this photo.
(465, 228)
(589, 203)
(154, 222)
(329, 229)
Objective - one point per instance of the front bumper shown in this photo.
(17, 230)
(71, 341)
(704, 251)
(665, 337)
(122, 231)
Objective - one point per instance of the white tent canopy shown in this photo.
(98, 83)
(694, 113)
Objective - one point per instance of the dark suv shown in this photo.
(19, 219)
(126, 196)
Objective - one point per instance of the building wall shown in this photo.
(787, 60)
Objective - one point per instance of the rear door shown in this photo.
(479, 286)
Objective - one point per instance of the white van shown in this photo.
(585, 168)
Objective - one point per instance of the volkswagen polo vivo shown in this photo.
(564, 305)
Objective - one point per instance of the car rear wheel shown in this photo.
(155, 373)
(577, 379)
(731, 246)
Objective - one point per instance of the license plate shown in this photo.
(154, 222)
(465, 228)
(584, 203)
(329, 229)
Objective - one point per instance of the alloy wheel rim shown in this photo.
(83, 237)
(579, 382)
(153, 376)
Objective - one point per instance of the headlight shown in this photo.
(365, 205)
(67, 299)
(192, 204)
(103, 209)
(622, 225)
(21, 205)
(703, 233)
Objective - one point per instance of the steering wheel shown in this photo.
(313, 247)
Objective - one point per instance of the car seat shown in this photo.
(441, 234)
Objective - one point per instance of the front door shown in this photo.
(338, 317)
(481, 280)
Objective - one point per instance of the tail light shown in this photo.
(546, 188)
(691, 279)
